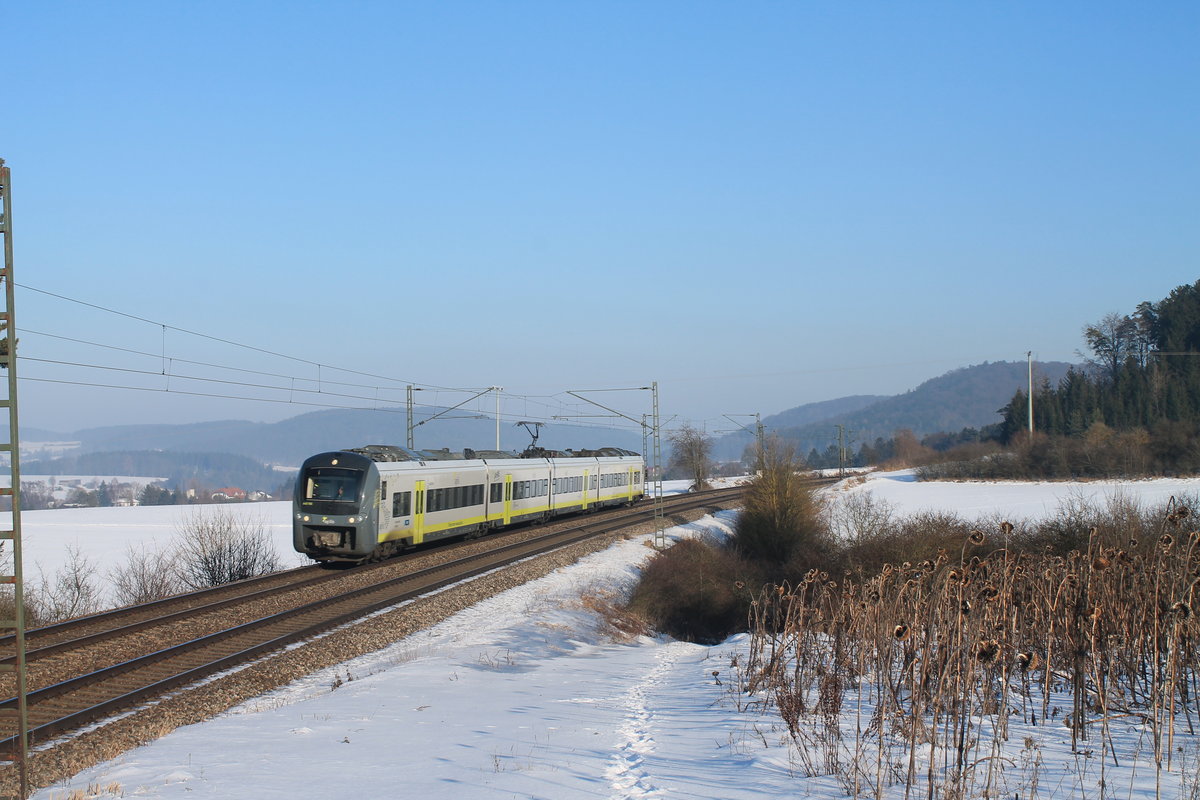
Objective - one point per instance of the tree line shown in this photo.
(1134, 407)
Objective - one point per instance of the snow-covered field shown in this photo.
(106, 536)
(1013, 500)
(527, 695)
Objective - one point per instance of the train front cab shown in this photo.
(335, 507)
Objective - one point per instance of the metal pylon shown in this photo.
(660, 517)
(14, 621)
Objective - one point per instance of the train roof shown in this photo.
(388, 452)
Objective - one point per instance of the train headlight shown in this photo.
(306, 518)
(351, 520)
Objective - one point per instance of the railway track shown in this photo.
(236, 630)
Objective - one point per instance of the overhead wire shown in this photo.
(178, 360)
(168, 360)
(254, 348)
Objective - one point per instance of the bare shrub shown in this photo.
(144, 577)
(695, 591)
(71, 592)
(780, 523)
(216, 546)
(859, 515)
(913, 538)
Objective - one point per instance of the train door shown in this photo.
(381, 502)
(508, 493)
(419, 513)
(586, 489)
(629, 484)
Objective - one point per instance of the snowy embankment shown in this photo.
(528, 695)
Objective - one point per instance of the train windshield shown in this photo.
(332, 484)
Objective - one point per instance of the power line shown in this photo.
(168, 361)
(177, 360)
(180, 376)
(165, 326)
(292, 401)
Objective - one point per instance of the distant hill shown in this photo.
(818, 412)
(182, 470)
(292, 440)
(41, 435)
(969, 397)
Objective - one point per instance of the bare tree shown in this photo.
(215, 547)
(144, 577)
(690, 451)
(858, 516)
(71, 592)
(1111, 340)
(780, 524)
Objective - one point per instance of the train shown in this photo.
(369, 503)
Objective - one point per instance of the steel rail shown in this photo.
(111, 625)
(330, 613)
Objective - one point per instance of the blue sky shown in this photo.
(756, 204)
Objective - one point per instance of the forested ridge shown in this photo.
(1144, 370)
(1133, 409)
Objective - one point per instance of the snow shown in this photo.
(1027, 500)
(530, 695)
(106, 536)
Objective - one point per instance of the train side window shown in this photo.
(401, 504)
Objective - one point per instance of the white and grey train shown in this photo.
(368, 503)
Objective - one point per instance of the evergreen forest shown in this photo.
(1133, 409)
